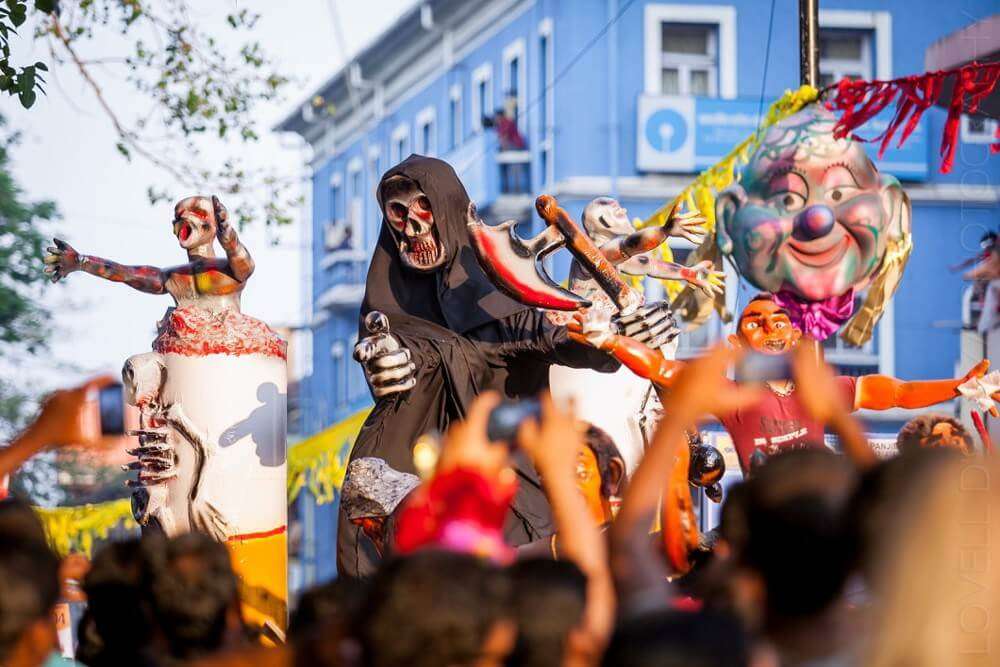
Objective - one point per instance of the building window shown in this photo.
(374, 164)
(355, 202)
(482, 95)
(399, 144)
(426, 139)
(335, 196)
(455, 117)
(844, 54)
(854, 44)
(978, 129)
(514, 85)
(690, 50)
(689, 60)
(545, 100)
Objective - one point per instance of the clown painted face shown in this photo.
(766, 328)
(194, 222)
(811, 215)
(409, 215)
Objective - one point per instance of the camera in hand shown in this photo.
(111, 404)
(507, 417)
(760, 367)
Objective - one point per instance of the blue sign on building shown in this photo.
(684, 134)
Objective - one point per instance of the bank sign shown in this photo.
(686, 134)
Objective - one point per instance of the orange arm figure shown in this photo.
(873, 392)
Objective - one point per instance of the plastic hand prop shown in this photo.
(982, 390)
(387, 364)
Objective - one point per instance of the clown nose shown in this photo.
(813, 223)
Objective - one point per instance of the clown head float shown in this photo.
(812, 221)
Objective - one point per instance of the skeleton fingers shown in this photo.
(163, 427)
(652, 324)
(388, 365)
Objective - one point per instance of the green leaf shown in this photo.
(123, 149)
(27, 98)
(42, 66)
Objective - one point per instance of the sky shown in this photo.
(68, 155)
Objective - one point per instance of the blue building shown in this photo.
(628, 99)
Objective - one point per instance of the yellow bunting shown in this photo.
(76, 528)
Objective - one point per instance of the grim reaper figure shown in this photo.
(450, 335)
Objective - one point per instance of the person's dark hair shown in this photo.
(548, 602)
(605, 450)
(334, 603)
(921, 426)
(431, 608)
(191, 586)
(678, 639)
(29, 574)
(118, 624)
(765, 296)
(789, 526)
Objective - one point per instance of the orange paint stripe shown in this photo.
(256, 536)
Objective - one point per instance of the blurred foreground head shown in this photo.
(791, 547)
(29, 587)
(941, 583)
(436, 608)
(189, 582)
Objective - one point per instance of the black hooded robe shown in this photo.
(465, 337)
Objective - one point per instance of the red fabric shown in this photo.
(859, 101)
(509, 134)
(461, 498)
(776, 423)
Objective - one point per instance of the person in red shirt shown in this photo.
(778, 421)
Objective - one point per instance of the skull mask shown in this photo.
(411, 219)
(604, 219)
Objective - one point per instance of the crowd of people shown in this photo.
(820, 558)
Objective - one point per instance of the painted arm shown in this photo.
(702, 275)
(642, 360)
(686, 225)
(881, 392)
(62, 260)
(240, 262)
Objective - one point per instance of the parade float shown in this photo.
(211, 450)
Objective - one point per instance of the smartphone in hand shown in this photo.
(506, 418)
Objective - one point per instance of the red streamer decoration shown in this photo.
(859, 101)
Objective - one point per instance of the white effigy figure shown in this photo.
(621, 403)
(212, 405)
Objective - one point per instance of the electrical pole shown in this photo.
(809, 42)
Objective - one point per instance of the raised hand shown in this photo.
(223, 230)
(466, 444)
(704, 276)
(387, 364)
(61, 260)
(690, 226)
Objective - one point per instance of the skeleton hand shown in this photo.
(690, 225)
(61, 260)
(652, 324)
(704, 276)
(387, 364)
(155, 458)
